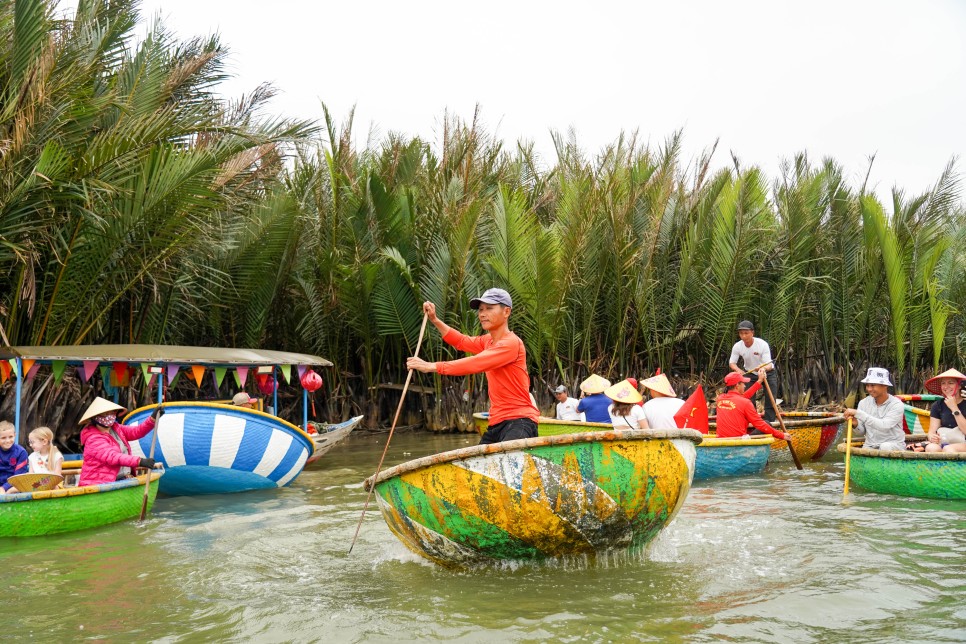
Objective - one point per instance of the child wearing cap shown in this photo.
(500, 355)
(879, 415)
(13, 457)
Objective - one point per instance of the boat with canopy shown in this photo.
(206, 447)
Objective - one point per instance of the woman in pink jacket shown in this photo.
(107, 452)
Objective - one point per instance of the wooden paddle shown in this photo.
(848, 455)
(781, 422)
(147, 483)
(395, 419)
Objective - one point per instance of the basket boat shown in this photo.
(813, 431)
(555, 496)
(547, 426)
(31, 514)
(719, 457)
(930, 475)
(210, 448)
(329, 435)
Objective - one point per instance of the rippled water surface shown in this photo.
(770, 558)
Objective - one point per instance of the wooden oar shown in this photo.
(147, 483)
(781, 422)
(395, 419)
(848, 455)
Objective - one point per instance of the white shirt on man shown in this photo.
(660, 412)
(881, 424)
(757, 354)
(567, 410)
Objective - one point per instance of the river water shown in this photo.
(771, 558)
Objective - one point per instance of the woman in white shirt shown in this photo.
(625, 413)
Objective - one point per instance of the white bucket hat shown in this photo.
(877, 376)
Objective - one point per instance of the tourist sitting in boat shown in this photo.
(662, 406)
(45, 457)
(947, 418)
(735, 411)
(107, 452)
(593, 403)
(242, 399)
(500, 355)
(879, 415)
(624, 412)
(566, 406)
(13, 457)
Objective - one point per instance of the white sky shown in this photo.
(845, 78)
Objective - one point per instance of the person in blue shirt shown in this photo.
(13, 457)
(594, 403)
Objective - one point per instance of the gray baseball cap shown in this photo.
(561, 389)
(492, 296)
(746, 325)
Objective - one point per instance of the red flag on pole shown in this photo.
(694, 413)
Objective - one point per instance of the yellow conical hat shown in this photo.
(660, 384)
(98, 407)
(594, 384)
(623, 392)
(933, 383)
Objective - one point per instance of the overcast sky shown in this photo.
(845, 78)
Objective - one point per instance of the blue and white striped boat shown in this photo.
(210, 448)
(716, 457)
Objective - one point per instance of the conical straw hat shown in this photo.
(660, 384)
(98, 407)
(34, 482)
(623, 392)
(933, 383)
(594, 384)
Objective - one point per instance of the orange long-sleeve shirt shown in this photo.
(505, 366)
(734, 412)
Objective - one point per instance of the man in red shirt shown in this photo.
(500, 354)
(735, 411)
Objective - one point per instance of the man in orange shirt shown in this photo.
(735, 411)
(500, 354)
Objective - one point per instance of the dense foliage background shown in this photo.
(137, 205)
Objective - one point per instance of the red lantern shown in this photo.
(266, 383)
(311, 381)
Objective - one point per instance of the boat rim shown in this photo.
(67, 492)
(540, 441)
(904, 454)
(736, 441)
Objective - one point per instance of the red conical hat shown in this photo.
(933, 383)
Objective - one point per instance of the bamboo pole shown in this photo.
(781, 421)
(848, 455)
(402, 397)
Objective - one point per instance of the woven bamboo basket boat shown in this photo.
(915, 420)
(210, 448)
(536, 498)
(931, 475)
(328, 436)
(720, 457)
(547, 426)
(31, 514)
(813, 432)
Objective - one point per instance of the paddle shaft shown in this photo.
(781, 422)
(848, 455)
(402, 398)
(147, 483)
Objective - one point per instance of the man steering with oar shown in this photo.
(500, 355)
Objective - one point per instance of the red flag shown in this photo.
(694, 413)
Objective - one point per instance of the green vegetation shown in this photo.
(137, 206)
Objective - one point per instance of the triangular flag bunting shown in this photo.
(145, 366)
(57, 367)
(242, 375)
(27, 366)
(4, 371)
(220, 375)
(32, 371)
(173, 371)
(286, 370)
(237, 379)
(694, 413)
(13, 367)
(174, 381)
(120, 375)
(198, 371)
(106, 379)
(301, 369)
(90, 366)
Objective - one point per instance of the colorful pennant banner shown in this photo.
(57, 367)
(198, 371)
(27, 366)
(286, 370)
(242, 375)
(32, 371)
(173, 371)
(220, 375)
(90, 366)
(4, 371)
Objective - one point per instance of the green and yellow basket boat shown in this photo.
(581, 494)
(930, 475)
(32, 514)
